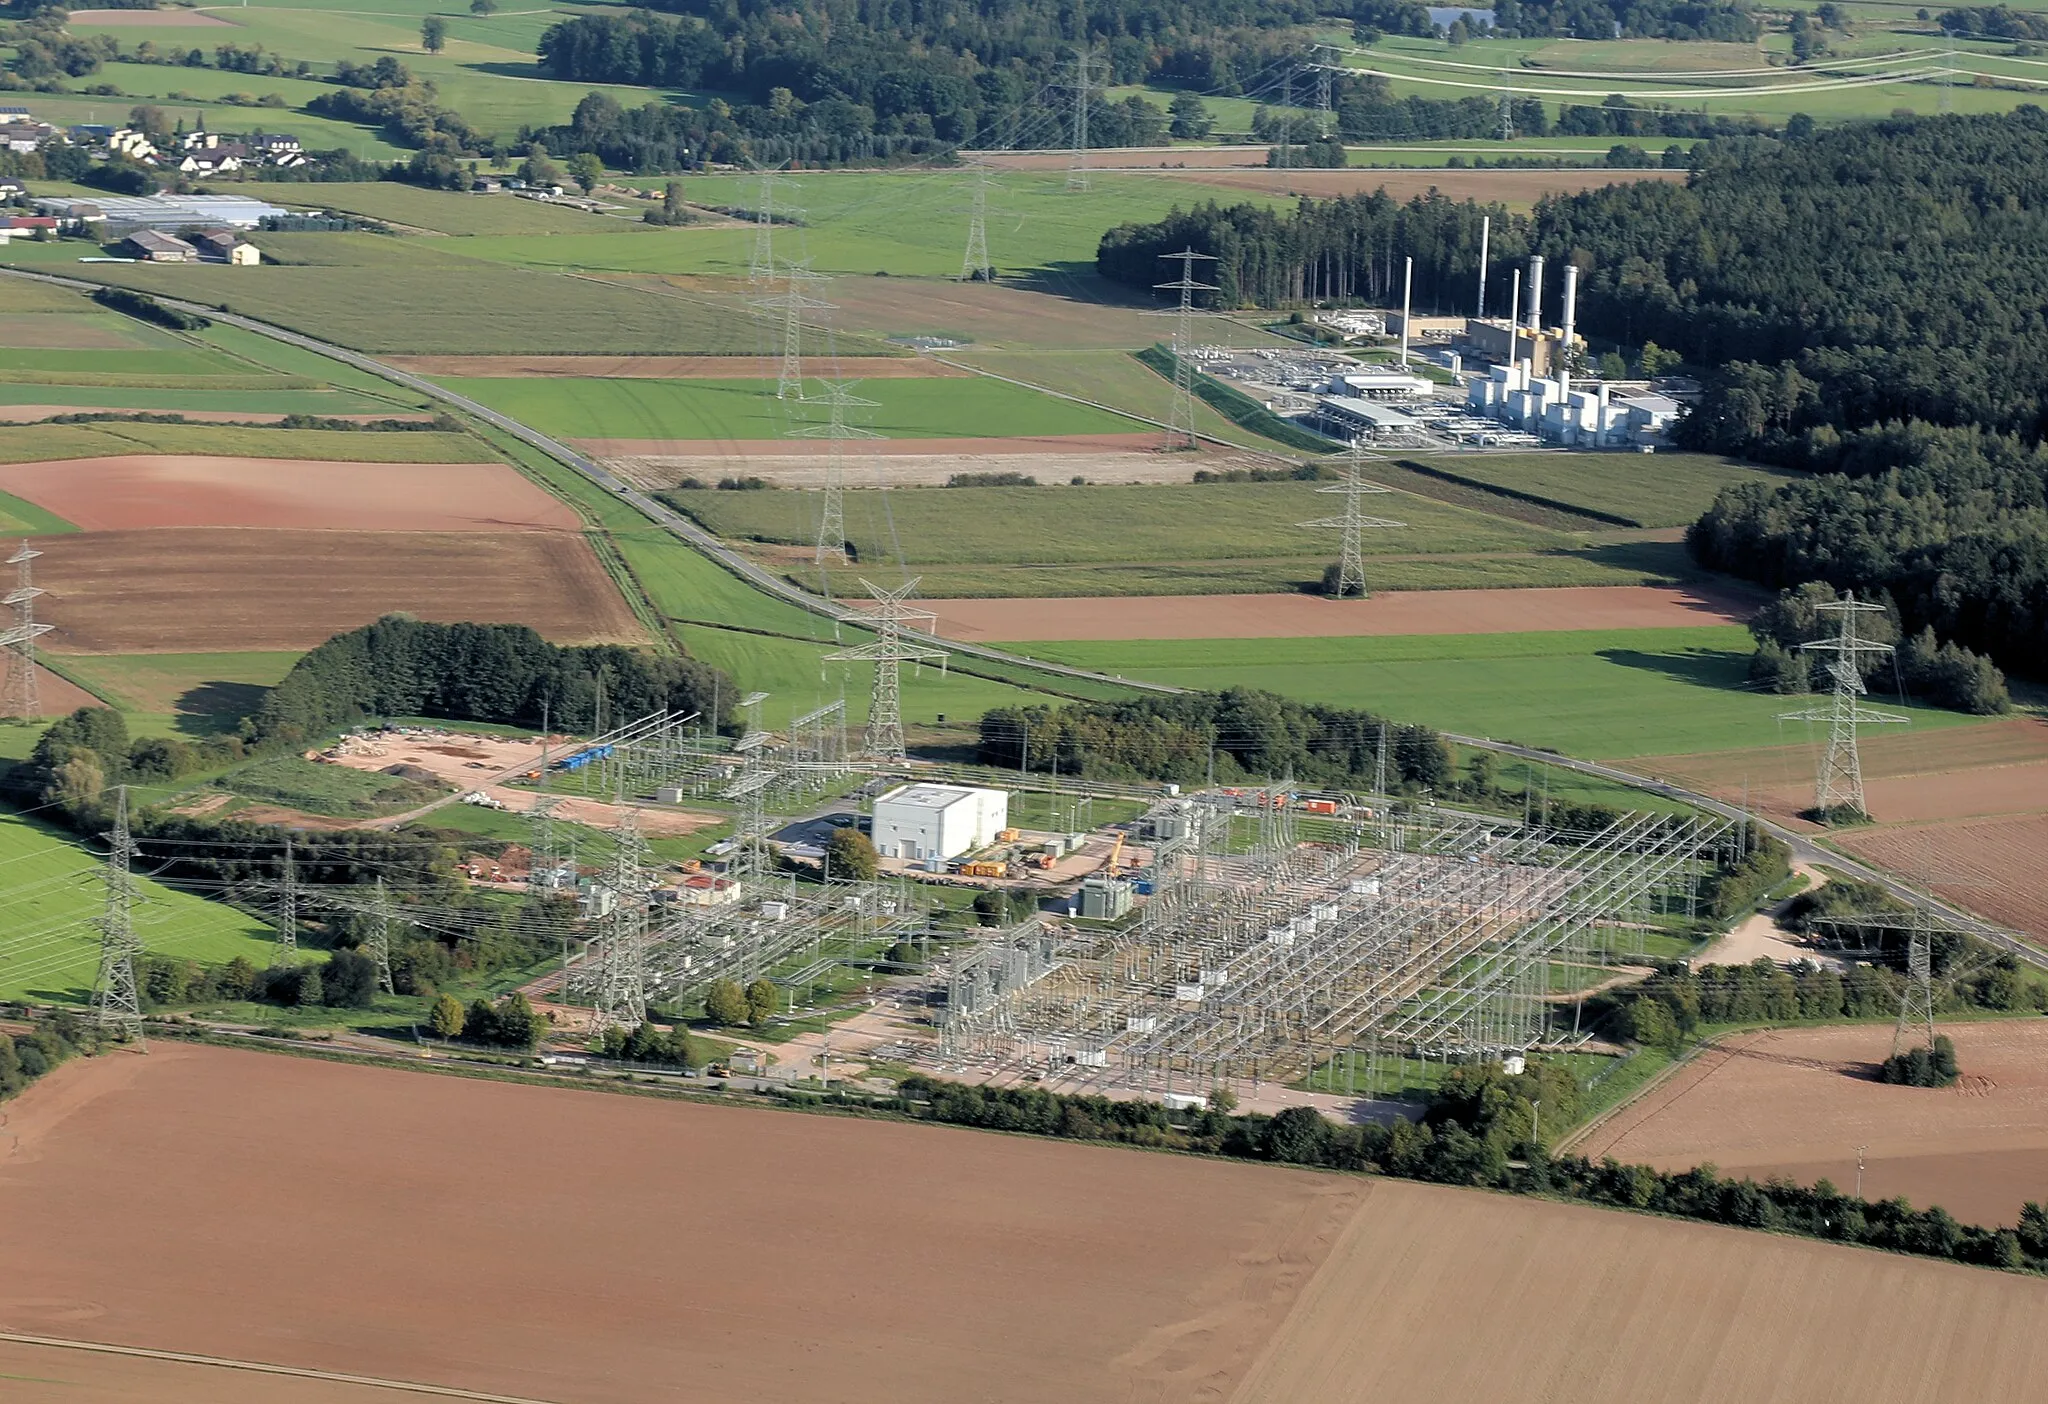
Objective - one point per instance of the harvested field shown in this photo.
(1071, 310)
(1147, 1278)
(75, 1375)
(148, 19)
(1993, 866)
(916, 469)
(1443, 1294)
(662, 367)
(30, 414)
(1798, 1102)
(1991, 768)
(61, 696)
(1306, 616)
(662, 451)
(64, 332)
(173, 490)
(202, 590)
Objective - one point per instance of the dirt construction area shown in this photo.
(173, 490)
(720, 1255)
(1305, 616)
(1798, 1102)
(201, 590)
(587, 1248)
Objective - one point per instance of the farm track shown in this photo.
(1804, 848)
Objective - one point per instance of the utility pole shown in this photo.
(23, 697)
(1354, 485)
(379, 945)
(1839, 789)
(116, 1006)
(888, 652)
(839, 398)
(288, 904)
(974, 266)
(1180, 432)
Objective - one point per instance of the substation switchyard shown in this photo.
(1271, 954)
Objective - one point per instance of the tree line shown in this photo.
(1943, 674)
(1236, 735)
(502, 673)
(1584, 19)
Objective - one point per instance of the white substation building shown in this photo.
(923, 822)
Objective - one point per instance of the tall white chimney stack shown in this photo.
(1485, 233)
(1407, 285)
(1571, 307)
(1515, 321)
(1535, 292)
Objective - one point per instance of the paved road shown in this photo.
(689, 532)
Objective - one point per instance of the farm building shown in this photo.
(153, 247)
(938, 821)
(226, 246)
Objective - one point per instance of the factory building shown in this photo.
(923, 822)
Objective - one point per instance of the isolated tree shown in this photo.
(350, 980)
(1222, 1101)
(310, 991)
(1191, 119)
(852, 854)
(762, 997)
(483, 9)
(151, 122)
(672, 211)
(537, 169)
(587, 170)
(726, 1003)
(445, 1018)
(433, 34)
(519, 1023)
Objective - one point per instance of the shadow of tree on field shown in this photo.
(213, 708)
(1719, 669)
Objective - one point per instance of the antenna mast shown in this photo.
(1354, 485)
(1839, 790)
(116, 1007)
(888, 652)
(1180, 431)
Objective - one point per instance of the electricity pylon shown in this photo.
(22, 697)
(761, 267)
(839, 398)
(1916, 1006)
(622, 958)
(116, 1007)
(1325, 124)
(974, 266)
(1839, 789)
(1084, 84)
(792, 303)
(1180, 423)
(888, 652)
(378, 947)
(288, 905)
(1354, 485)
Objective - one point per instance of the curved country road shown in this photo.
(696, 537)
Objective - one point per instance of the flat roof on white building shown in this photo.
(928, 796)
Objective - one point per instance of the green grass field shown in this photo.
(443, 211)
(49, 895)
(183, 362)
(1652, 490)
(19, 516)
(201, 693)
(1116, 379)
(314, 788)
(748, 409)
(1603, 694)
(29, 443)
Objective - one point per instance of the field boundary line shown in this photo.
(1518, 495)
(1579, 1133)
(258, 1367)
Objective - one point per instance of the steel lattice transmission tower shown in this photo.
(1325, 121)
(761, 266)
(838, 398)
(1083, 85)
(1840, 786)
(1916, 1008)
(792, 303)
(974, 266)
(1352, 525)
(622, 957)
(116, 1006)
(23, 698)
(288, 903)
(378, 947)
(1180, 423)
(889, 652)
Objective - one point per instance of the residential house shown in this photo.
(215, 160)
(136, 146)
(21, 135)
(226, 246)
(24, 226)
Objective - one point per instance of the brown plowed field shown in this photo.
(176, 490)
(29, 414)
(204, 590)
(597, 1249)
(60, 696)
(63, 1375)
(664, 367)
(1799, 1101)
(1305, 616)
(779, 448)
(1996, 867)
(1995, 767)
(1438, 1294)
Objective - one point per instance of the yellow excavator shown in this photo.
(1115, 857)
